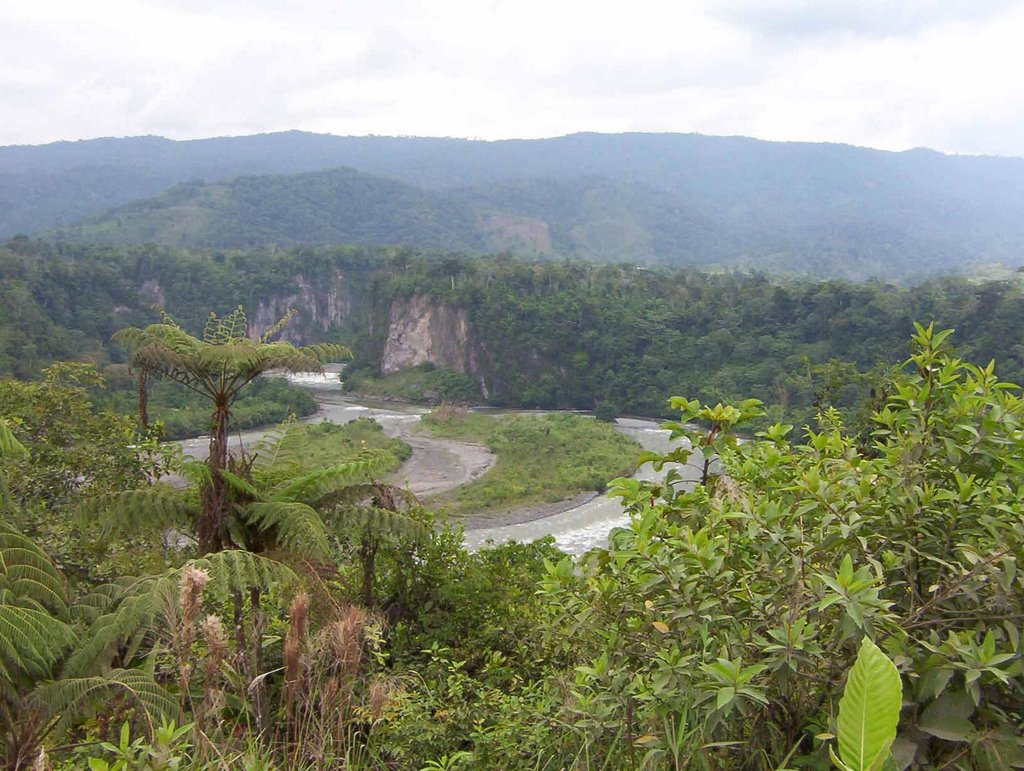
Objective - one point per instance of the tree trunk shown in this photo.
(259, 692)
(144, 399)
(215, 493)
(368, 556)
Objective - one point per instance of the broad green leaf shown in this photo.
(869, 710)
(947, 717)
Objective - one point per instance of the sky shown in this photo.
(891, 74)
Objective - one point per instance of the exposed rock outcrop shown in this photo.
(420, 331)
(319, 308)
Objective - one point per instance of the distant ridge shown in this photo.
(824, 209)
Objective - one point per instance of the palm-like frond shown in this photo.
(318, 484)
(155, 507)
(295, 526)
(130, 610)
(342, 520)
(238, 570)
(32, 641)
(10, 447)
(277, 453)
(26, 573)
(120, 612)
(72, 693)
(169, 350)
(240, 485)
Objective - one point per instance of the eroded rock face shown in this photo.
(420, 331)
(153, 293)
(319, 308)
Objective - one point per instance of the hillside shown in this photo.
(829, 210)
(337, 206)
(588, 218)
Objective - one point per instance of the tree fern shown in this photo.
(32, 641)
(156, 507)
(316, 485)
(295, 526)
(119, 612)
(218, 367)
(26, 573)
(130, 609)
(70, 694)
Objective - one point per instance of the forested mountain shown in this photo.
(820, 209)
(339, 206)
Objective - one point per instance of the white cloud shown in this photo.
(892, 75)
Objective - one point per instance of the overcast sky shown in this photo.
(893, 74)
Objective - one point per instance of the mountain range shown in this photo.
(674, 199)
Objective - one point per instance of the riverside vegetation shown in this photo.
(282, 613)
(541, 458)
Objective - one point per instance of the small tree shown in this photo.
(218, 367)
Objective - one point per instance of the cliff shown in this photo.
(421, 331)
(319, 309)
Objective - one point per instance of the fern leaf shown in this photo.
(155, 507)
(132, 608)
(323, 482)
(238, 570)
(10, 447)
(295, 526)
(71, 694)
(31, 641)
(240, 484)
(343, 520)
(27, 572)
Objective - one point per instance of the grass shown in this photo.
(327, 444)
(541, 458)
(421, 385)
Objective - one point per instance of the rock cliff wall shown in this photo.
(319, 308)
(421, 331)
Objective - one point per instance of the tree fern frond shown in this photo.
(237, 356)
(134, 610)
(276, 328)
(97, 601)
(155, 507)
(197, 472)
(31, 641)
(238, 570)
(277, 452)
(240, 484)
(344, 519)
(27, 572)
(295, 526)
(322, 482)
(325, 352)
(383, 496)
(10, 447)
(71, 694)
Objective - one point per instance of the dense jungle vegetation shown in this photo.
(614, 338)
(285, 609)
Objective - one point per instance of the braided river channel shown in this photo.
(442, 464)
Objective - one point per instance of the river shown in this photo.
(441, 464)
